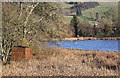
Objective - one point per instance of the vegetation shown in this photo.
(90, 13)
(95, 31)
(97, 16)
(106, 19)
(106, 29)
(74, 23)
(83, 6)
(34, 24)
(78, 12)
(30, 23)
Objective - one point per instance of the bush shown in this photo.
(42, 51)
(25, 42)
(101, 34)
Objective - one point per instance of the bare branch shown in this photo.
(21, 6)
(38, 20)
(25, 23)
(30, 14)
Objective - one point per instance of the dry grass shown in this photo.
(99, 59)
(63, 61)
(44, 53)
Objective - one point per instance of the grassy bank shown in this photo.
(66, 62)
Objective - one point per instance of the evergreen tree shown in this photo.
(119, 18)
(106, 29)
(80, 33)
(95, 31)
(74, 22)
(78, 12)
(97, 16)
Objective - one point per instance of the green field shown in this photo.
(67, 5)
(103, 7)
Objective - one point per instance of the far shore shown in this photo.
(88, 38)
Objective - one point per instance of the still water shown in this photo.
(88, 44)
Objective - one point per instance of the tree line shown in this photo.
(104, 26)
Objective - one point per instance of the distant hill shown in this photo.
(101, 8)
(83, 5)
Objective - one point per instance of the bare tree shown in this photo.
(26, 21)
(13, 26)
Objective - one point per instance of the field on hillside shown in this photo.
(86, 15)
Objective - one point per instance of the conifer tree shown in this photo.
(74, 22)
(78, 12)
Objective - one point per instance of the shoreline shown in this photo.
(87, 38)
(90, 50)
(93, 38)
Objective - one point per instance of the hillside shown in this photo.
(96, 19)
(101, 8)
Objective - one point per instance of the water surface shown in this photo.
(88, 44)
